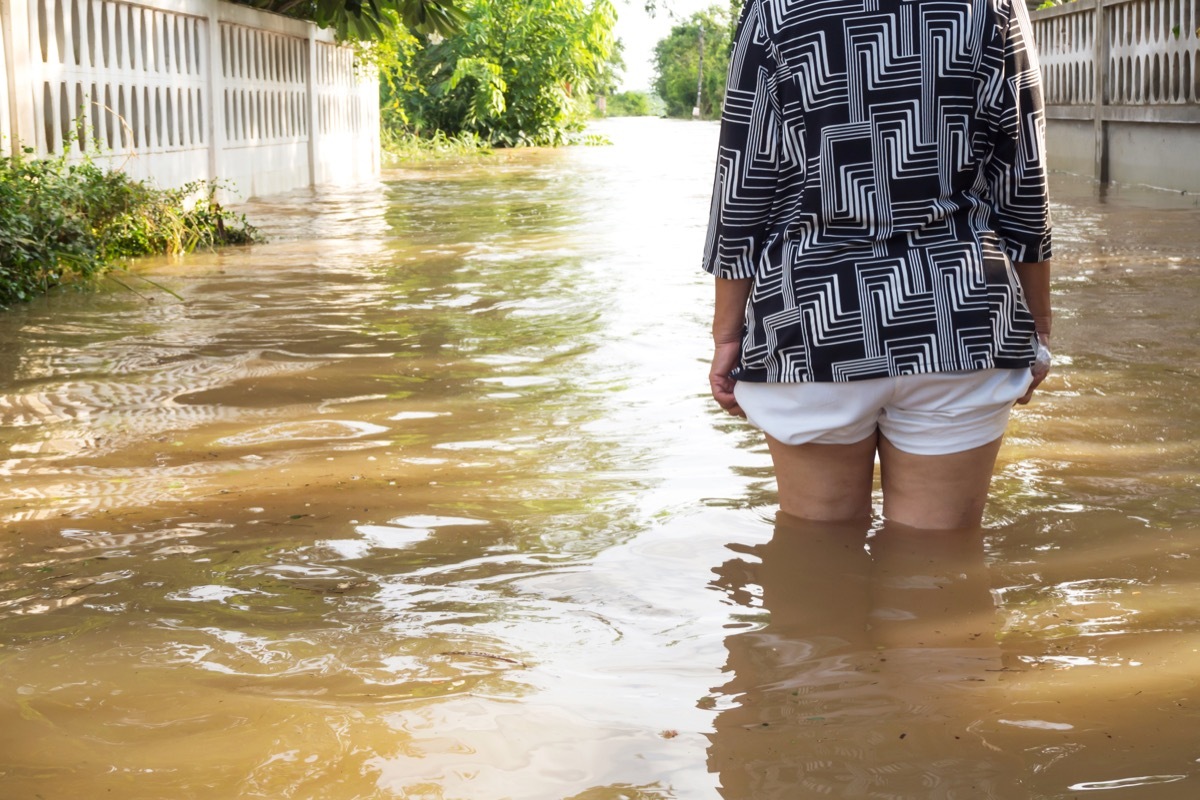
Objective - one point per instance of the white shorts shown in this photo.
(928, 414)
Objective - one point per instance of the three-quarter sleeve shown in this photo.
(1017, 170)
(748, 155)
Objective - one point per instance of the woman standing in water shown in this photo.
(880, 239)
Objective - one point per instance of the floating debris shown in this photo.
(481, 654)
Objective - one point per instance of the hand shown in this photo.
(1039, 369)
(725, 357)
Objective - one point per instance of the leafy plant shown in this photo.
(518, 73)
(63, 221)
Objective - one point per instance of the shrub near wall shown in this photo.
(64, 222)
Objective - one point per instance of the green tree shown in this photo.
(517, 73)
(677, 61)
(735, 13)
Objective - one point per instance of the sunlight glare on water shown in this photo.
(425, 498)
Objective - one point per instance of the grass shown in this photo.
(401, 147)
(406, 148)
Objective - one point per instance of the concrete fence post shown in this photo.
(14, 27)
(314, 115)
(1100, 67)
(5, 88)
(215, 105)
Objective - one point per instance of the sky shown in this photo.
(640, 32)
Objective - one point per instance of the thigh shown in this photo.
(936, 491)
(828, 482)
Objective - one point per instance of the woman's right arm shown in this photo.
(1017, 176)
(1035, 285)
(1016, 170)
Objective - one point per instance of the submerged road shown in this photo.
(425, 498)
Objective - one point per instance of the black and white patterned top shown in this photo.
(881, 165)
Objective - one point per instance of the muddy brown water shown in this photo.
(425, 498)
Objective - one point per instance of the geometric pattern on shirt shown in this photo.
(880, 166)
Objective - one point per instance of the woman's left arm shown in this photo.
(729, 317)
(747, 175)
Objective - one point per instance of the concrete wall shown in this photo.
(183, 90)
(1155, 154)
(1071, 146)
(1123, 105)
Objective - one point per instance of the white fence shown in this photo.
(180, 90)
(1123, 105)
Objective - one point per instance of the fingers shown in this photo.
(1039, 374)
(725, 358)
(732, 409)
(722, 392)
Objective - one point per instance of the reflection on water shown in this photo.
(425, 498)
(874, 673)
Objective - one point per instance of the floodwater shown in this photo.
(425, 498)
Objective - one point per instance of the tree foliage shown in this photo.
(677, 63)
(735, 14)
(518, 72)
(630, 104)
(371, 19)
(608, 79)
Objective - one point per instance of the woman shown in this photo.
(880, 239)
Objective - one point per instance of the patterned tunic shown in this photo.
(881, 166)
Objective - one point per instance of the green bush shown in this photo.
(62, 222)
(630, 104)
(520, 72)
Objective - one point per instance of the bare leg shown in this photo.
(826, 482)
(936, 492)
